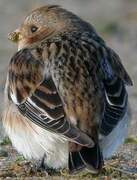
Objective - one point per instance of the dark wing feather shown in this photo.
(49, 114)
(37, 98)
(116, 105)
(114, 80)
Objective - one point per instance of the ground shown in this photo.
(116, 22)
(123, 165)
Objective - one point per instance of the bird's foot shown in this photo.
(38, 167)
(41, 166)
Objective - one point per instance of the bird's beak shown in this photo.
(15, 36)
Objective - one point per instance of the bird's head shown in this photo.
(43, 23)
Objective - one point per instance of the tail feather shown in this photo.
(89, 158)
(75, 162)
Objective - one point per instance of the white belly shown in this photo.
(33, 142)
(111, 143)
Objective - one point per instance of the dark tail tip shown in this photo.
(89, 158)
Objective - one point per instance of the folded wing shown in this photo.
(41, 103)
(115, 78)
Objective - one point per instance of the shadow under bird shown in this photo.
(65, 94)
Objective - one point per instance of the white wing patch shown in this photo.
(14, 99)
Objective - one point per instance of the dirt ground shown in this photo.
(123, 165)
(116, 21)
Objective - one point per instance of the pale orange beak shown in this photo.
(15, 36)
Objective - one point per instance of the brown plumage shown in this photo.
(65, 80)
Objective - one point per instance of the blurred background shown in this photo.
(115, 21)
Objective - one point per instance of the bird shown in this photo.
(66, 102)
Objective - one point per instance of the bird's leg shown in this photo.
(41, 166)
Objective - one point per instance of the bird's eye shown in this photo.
(33, 29)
